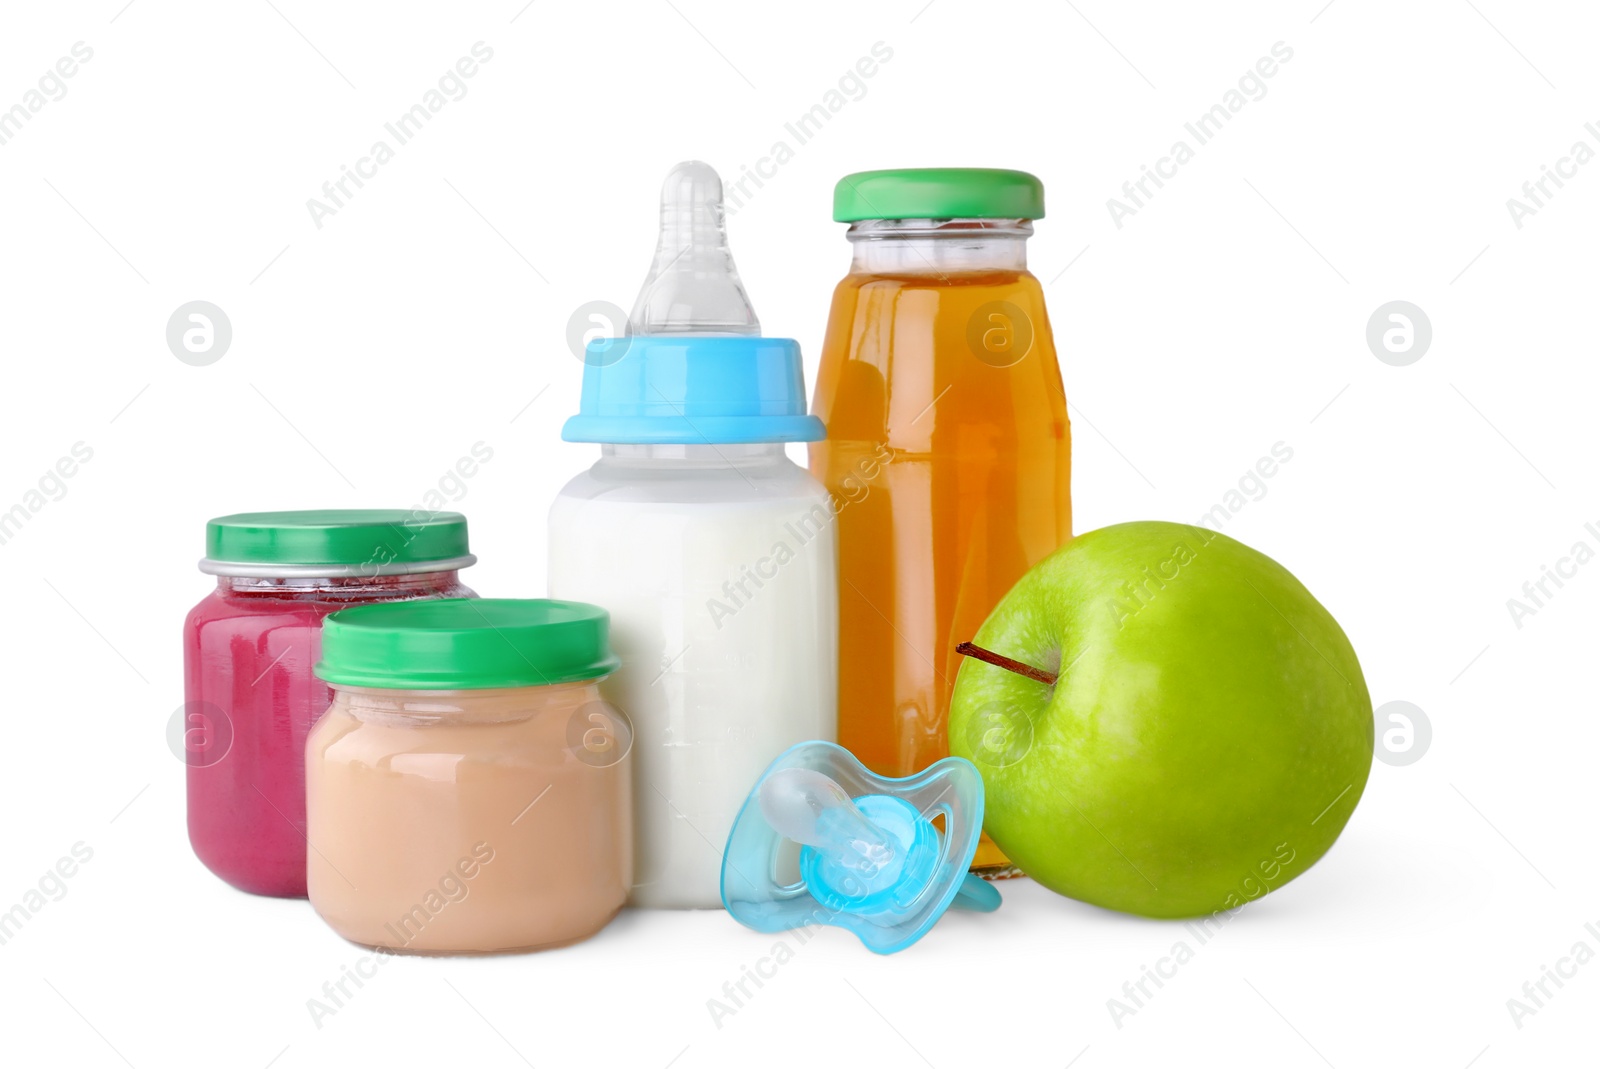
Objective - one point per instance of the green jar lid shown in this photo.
(334, 542)
(938, 193)
(465, 644)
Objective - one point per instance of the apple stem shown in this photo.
(1000, 660)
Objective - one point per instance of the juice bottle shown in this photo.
(947, 441)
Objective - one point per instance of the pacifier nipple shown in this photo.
(808, 807)
(693, 286)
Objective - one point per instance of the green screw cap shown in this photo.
(336, 542)
(938, 193)
(466, 644)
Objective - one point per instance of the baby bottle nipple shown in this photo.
(693, 286)
(870, 857)
(693, 367)
(808, 807)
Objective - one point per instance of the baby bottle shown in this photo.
(712, 551)
(939, 386)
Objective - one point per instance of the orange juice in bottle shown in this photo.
(947, 450)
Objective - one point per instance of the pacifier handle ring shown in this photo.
(976, 895)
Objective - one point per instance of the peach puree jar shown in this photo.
(468, 791)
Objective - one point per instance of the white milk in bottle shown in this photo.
(713, 552)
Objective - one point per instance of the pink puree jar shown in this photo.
(248, 650)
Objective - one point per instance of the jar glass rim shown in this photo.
(258, 570)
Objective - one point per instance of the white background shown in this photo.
(430, 313)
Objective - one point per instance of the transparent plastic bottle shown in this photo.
(712, 551)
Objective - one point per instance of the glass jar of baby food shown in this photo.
(468, 790)
(249, 647)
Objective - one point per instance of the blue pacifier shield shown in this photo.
(822, 840)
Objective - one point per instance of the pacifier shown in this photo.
(822, 840)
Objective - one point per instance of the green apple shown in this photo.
(1207, 737)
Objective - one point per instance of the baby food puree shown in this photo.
(249, 647)
(457, 796)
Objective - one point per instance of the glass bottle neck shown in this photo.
(938, 246)
(341, 586)
(444, 707)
